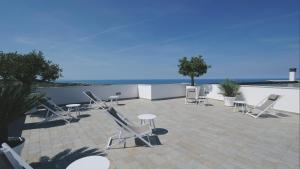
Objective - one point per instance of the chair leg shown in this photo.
(109, 143)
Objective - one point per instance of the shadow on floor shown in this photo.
(55, 123)
(154, 140)
(159, 131)
(208, 104)
(64, 158)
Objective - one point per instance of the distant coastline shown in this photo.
(162, 81)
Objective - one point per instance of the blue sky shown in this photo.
(144, 39)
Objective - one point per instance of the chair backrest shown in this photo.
(91, 96)
(11, 160)
(269, 101)
(202, 91)
(117, 117)
(50, 105)
(191, 92)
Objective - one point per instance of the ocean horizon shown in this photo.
(166, 81)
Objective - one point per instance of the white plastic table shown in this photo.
(73, 107)
(147, 117)
(115, 97)
(240, 104)
(90, 162)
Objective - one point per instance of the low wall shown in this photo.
(144, 91)
(289, 100)
(165, 91)
(161, 91)
(73, 94)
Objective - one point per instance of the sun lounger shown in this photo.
(127, 129)
(95, 102)
(264, 106)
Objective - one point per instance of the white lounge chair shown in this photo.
(202, 97)
(191, 94)
(264, 106)
(55, 112)
(94, 100)
(9, 159)
(127, 129)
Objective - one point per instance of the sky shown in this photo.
(143, 39)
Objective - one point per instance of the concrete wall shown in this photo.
(164, 91)
(161, 91)
(144, 91)
(289, 100)
(65, 95)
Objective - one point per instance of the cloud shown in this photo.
(263, 20)
(279, 39)
(24, 40)
(113, 29)
(129, 48)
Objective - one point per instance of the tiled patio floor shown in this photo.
(191, 136)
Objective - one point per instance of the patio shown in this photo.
(191, 136)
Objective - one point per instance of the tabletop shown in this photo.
(115, 96)
(147, 116)
(90, 162)
(239, 102)
(72, 105)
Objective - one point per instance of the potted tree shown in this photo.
(15, 100)
(229, 89)
(193, 68)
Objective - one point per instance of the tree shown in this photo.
(50, 71)
(193, 68)
(28, 67)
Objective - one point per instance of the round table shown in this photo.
(147, 117)
(90, 162)
(73, 107)
(115, 97)
(240, 104)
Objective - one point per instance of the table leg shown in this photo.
(234, 107)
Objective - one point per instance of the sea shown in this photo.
(164, 81)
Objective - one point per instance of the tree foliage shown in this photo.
(28, 67)
(194, 67)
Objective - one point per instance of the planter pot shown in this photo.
(228, 101)
(16, 143)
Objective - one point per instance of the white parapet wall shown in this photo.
(289, 100)
(73, 94)
(144, 91)
(161, 91)
(165, 91)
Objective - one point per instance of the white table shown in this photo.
(115, 97)
(147, 117)
(90, 162)
(240, 105)
(73, 107)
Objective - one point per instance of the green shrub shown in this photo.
(229, 88)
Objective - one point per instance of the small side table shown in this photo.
(73, 107)
(147, 117)
(240, 105)
(114, 98)
(90, 162)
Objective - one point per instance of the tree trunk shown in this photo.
(3, 133)
(192, 81)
